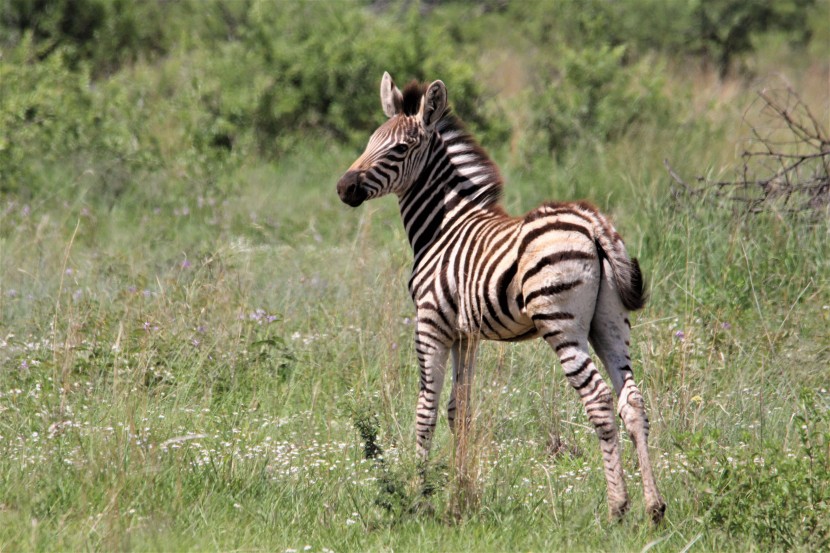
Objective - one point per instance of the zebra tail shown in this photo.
(628, 278)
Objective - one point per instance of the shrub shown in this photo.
(717, 31)
(311, 68)
(591, 94)
(54, 121)
(107, 33)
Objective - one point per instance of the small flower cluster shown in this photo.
(259, 316)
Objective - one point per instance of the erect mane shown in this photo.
(471, 161)
(469, 158)
(412, 94)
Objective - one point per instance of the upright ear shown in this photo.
(433, 104)
(390, 97)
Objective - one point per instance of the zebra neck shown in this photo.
(423, 206)
(456, 184)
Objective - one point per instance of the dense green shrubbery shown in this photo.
(134, 86)
(591, 94)
(246, 78)
(309, 68)
(106, 33)
(53, 117)
(717, 31)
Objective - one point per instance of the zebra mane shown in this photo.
(412, 94)
(464, 152)
(471, 161)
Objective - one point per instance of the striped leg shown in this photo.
(598, 400)
(463, 369)
(610, 338)
(432, 359)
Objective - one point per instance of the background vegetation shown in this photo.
(201, 348)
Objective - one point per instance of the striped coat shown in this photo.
(560, 273)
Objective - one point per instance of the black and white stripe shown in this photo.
(561, 273)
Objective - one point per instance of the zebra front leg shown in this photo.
(463, 358)
(432, 359)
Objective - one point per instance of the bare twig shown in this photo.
(786, 163)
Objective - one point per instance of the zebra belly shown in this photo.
(501, 329)
(495, 313)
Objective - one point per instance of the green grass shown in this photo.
(184, 368)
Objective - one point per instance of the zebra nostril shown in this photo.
(350, 190)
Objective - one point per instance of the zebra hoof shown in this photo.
(657, 511)
(617, 512)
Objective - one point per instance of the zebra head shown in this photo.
(397, 151)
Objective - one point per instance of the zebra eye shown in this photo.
(400, 149)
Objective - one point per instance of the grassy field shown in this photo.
(203, 369)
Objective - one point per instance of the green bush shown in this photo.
(312, 68)
(592, 95)
(54, 122)
(716, 31)
(725, 29)
(106, 33)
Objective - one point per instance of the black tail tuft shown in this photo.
(634, 293)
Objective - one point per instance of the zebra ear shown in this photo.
(390, 97)
(433, 104)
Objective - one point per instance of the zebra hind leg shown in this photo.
(463, 369)
(598, 400)
(459, 407)
(632, 410)
(610, 338)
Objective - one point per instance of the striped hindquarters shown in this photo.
(561, 254)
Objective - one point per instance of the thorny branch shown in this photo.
(786, 163)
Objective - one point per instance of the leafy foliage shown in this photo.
(47, 108)
(595, 97)
(106, 33)
(716, 31)
(726, 29)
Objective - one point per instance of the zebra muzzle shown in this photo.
(350, 190)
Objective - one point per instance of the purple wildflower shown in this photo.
(680, 335)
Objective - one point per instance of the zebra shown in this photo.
(560, 272)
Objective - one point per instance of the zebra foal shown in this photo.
(561, 273)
